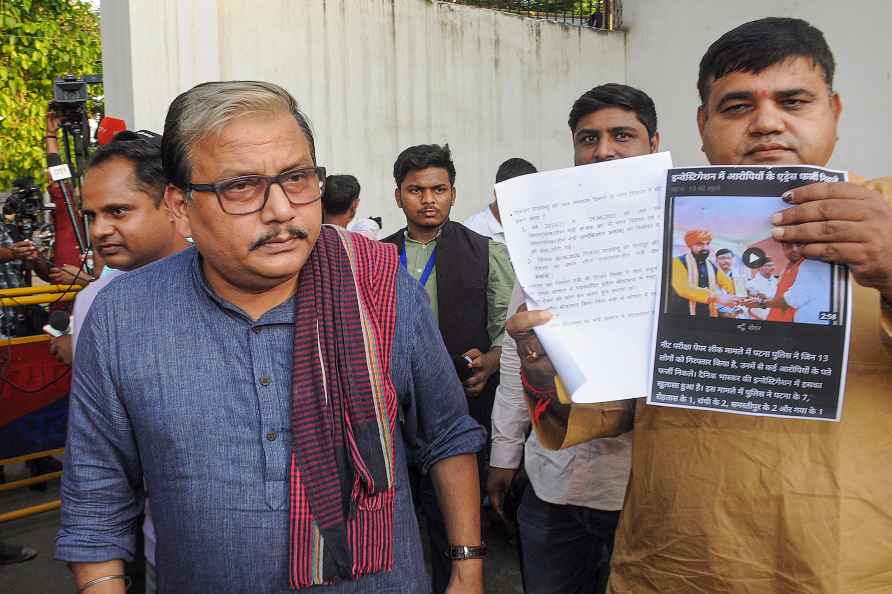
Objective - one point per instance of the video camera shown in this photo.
(70, 98)
(22, 213)
(25, 200)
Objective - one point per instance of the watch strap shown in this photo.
(466, 552)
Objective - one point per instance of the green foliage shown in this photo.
(39, 41)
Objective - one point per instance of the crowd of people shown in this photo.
(273, 389)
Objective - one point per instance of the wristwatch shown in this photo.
(465, 552)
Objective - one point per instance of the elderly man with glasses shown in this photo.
(266, 383)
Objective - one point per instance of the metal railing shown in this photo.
(606, 15)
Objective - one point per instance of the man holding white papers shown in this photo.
(568, 514)
(721, 502)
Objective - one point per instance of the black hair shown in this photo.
(514, 167)
(422, 157)
(723, 251)
(757, 45)
(615, 95)
(340, 192)
(143, 150)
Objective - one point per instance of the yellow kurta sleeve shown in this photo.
(585, 422)
(682, 286)
(725, 282)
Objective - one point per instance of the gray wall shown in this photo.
(376, 76)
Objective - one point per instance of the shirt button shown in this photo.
(257, 329)
(271, 436)
(264, 380)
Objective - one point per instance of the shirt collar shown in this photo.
(281, 314)
(410, 240)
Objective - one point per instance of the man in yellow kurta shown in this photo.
(721, 502)
(696, 281)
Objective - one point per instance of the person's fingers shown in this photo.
(528, 344)
(523, 322)
(474, 390)
(496, 503)
(472, 353)
(827, 191)
(821, 210)
(477, 378)
(823, 231)
(843, 253)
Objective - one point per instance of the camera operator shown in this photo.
(66, 254)
(15, 257)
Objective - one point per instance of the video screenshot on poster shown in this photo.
(744, 323)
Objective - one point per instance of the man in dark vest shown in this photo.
(468, 279)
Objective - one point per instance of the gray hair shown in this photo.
(203, 111)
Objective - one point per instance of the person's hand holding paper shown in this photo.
(585, 243)
(534, 361)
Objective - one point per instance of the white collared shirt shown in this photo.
(485, 223)
(593, 474)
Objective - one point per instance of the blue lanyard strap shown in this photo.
(428, 268)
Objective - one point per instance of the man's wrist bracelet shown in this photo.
(465, 552)
(536, 392)
(51, 136)
(105, 578)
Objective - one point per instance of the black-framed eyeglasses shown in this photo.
(248, 194)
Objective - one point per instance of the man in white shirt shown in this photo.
(340, 201)
(569, 512)
(803, 290)
(488, 222)
(763, 283)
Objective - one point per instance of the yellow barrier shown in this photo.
(43, 478)
(38, 295)
(23, 291)
(32, 456)
(38, 299)
(34, 480)
(30, 511)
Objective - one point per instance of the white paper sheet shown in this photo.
(585, 243)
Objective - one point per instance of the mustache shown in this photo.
(293, 230)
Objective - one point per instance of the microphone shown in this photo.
(108, 128)
(59, 324)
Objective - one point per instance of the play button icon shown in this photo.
(754, 257)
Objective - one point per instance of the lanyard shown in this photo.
(428, 268)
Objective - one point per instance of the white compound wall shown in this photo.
(376, 76)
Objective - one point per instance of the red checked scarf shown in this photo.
(344, 411)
